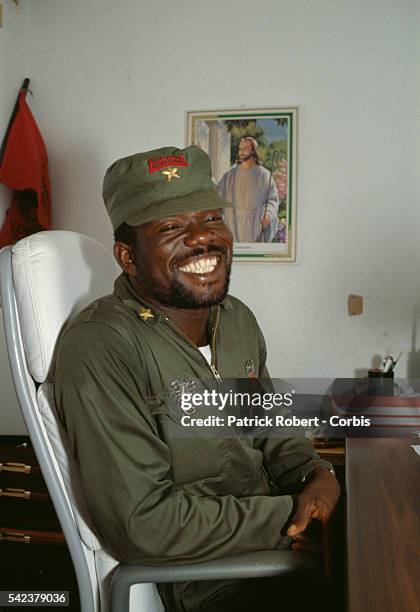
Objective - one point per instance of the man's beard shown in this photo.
(244, 158)
(180, 296)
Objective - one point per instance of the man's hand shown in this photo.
(317, 501)
(265, 220)
(310, 541)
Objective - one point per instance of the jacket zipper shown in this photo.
(212, 365)
(213, 348)
(215, 373)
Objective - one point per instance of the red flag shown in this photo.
(24, 168)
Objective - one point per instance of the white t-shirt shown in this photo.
(206, 352)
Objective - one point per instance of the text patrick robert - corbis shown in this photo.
(220, 402)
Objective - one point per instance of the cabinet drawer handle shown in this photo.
(15, 467)
(15, 493)
(10, 536)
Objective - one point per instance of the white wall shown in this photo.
(12, 72)
(112, 78)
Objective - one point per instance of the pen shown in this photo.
(394, 363)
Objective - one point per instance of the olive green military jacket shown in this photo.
(152, 497)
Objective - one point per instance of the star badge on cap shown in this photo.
(170, 173)
(145, 314)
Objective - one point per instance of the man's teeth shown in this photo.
(202, 266)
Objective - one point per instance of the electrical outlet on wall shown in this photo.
(355, 304)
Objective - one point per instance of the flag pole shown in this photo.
(25, 87)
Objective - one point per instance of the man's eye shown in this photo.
(169, 228)
(214, 218)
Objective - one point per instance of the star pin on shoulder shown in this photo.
(146, 314)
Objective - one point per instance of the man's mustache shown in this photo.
(198, 251)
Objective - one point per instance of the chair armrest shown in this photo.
(249, 565)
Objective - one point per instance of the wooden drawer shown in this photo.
(30, 536)
(28, 513)
(31, 482)
(24, 499)
(33, 552)
(18, 457)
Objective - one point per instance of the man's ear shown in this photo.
(124, 255)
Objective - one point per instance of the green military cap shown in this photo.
(159, 183)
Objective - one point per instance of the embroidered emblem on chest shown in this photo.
(177, 388)
(250, 369)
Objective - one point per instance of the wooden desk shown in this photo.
(335, 454)
(383, 525)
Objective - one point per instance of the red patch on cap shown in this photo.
(157, 163)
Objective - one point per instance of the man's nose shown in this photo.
(198, 234)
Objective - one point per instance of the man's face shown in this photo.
(245, 151)
(184, 261)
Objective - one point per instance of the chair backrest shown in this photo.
(55, 275)
(45, 279)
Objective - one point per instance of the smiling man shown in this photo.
(152, 497)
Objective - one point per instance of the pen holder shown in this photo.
(380, 383)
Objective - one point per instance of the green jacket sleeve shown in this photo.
(141, 516)
(288, 461)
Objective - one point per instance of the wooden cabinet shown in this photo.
(33, 552)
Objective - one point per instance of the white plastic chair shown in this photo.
(45, 279)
